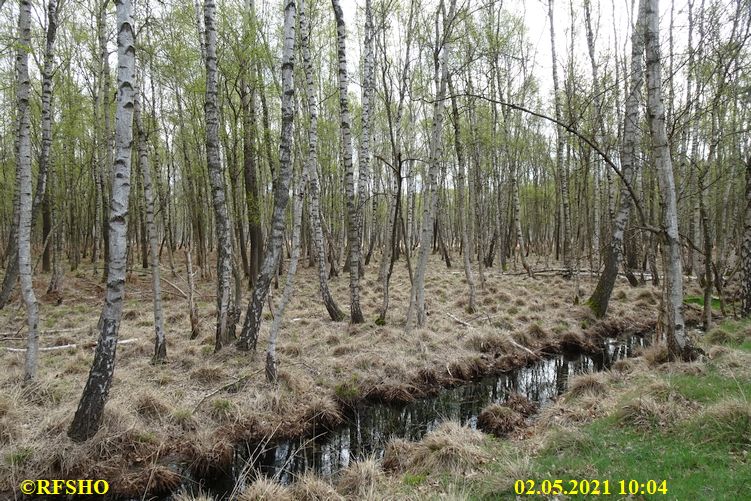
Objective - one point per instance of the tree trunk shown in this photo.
(224, 311)
(353, 210)
(746, 248)
(460, 165)
(88, 417)
(561, 169)
(311, 169)
(249, 337)
(289, 285)
(673, 324)
(23, 168)
(441, 52)
(160, 344)
(614, 254)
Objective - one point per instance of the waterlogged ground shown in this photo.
(199, 405)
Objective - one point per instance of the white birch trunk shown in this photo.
(673, 324)
(23, 167)
(311, 170)
(249, 337)
(88, 417)
(224, 312)
(160, 344)
(614, 253)
(561, 169)
(353, 212)
(440, 77)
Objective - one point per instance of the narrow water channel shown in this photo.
(368, 427)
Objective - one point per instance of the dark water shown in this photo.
(369, 427)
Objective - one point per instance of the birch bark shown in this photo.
(88, 417)
(672, 322)
(23, 167)
(353, 212)
(225, 318)
(249, 336)
(160, 344)
(614, 253)
(311, 168)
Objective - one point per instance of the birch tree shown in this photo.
(160, 344)
(353, 211)
(88, 417)
(673, 325)
(614, 253)
(561, 169)
(225, 317)
(23, 168)
(311, 169)
(441, 54)
(249, 336)
(746, 247)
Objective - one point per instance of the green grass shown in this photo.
(700, 457)
(700, 301)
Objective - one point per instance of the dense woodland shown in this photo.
(250, 147)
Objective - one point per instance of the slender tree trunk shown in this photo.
(440, 76)
(88, 417)
(225, 313)
(561, 169)
(746, 248)
(459, 185)
(311, 169)
(614, 253)
(160, 344)
(23, 167)
(353, 209)
(673, 324)
(271, 364)
(249, 337)
(194, 323)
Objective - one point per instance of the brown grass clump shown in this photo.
(151, 406)
(718, 335)
(323, 410)
(360, 479)
(263, 489)
(392, 393)
(488, 343)
(624, 366)
(647, 413)
(449, 448)
(397, 454)
(728, 421)
(183, 495)
(207, 374)
(155, 481)
(521, 404)
(585, 384)
(310, 487)
(499, 420)
(655, 355)
(537, 333)
(209, 456)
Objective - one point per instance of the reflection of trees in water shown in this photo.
(369, 427)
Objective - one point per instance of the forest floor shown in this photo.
(200, 403)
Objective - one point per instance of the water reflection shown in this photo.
(369, 427)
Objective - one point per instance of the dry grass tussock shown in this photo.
(449, 448)
(310, 487)
(263, 489)
(586, 384)
(153, 408)
(360, 480)
(183, 495)
(499, 420)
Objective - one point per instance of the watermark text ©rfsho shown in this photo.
(55, 487)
